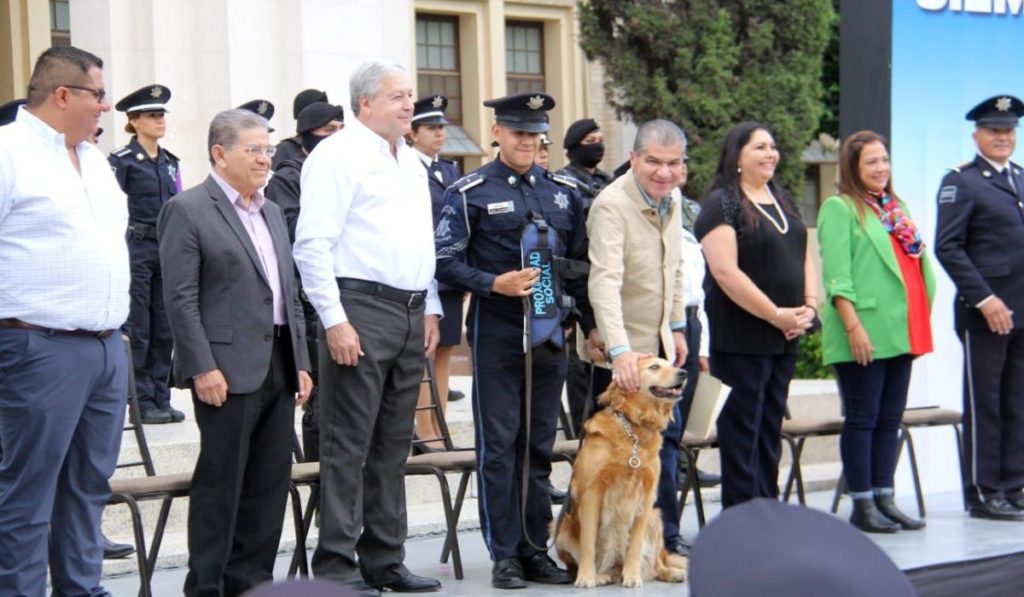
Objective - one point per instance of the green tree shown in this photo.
(709, 64)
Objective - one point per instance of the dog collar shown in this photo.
(634, 460)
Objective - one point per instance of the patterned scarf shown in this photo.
(896, 223)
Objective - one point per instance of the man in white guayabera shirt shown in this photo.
(64, 281)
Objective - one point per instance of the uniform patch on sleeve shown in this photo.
(947, 194)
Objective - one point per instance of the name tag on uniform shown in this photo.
(502, 207)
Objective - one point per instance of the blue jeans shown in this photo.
(668, 496)
(874, 397)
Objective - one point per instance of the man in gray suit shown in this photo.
(240, 347)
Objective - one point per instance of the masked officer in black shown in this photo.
(316, 122)
(584, 146)
(291, 148)
(980, 243)
(149, 175)
(482, 238)
(428, 136)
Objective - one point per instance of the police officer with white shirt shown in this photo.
(980, 243)
(480, 247)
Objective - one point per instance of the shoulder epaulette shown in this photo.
(468, 181)
(450, 162)
(123, 151)
(563, 179)
(171, 155)
(961, 167)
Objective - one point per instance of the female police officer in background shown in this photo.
(149, 175)
(878, 284)
(760, 298)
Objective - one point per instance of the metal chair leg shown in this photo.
(145, 573)
(300, 535)
(299, 559)
(906, 438)
(460, 497)
(838, 493)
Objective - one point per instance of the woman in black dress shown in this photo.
(761, 296)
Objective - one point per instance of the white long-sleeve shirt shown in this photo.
(693, 286)
(63, 253)
(366, 215)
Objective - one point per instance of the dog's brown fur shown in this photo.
(612, 532)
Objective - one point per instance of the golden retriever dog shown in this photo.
(611, 531)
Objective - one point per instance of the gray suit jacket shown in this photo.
(217, 297)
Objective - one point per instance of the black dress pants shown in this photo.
(240, 484)
(993, 414)
(750, 424)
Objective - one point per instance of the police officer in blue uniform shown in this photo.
(149, 175)
(428, 136)
(980, 243)
(481, 241)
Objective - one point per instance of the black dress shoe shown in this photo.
(704, 478)
(541, 568)
(152, 415)
(887, 506)
(176, 415)
(679, 547)
(996, 509)
(557, 495)
(426, 448)
(508, 574)
(412, 583)
(455, 395)
(116, 551)
(359, 588)
(1017, 501)
(867, 518)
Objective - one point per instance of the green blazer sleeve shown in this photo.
(858, 264)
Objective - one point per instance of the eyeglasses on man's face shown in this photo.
(100, 94)
(256, 150)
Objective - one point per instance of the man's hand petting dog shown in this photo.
(624, 371)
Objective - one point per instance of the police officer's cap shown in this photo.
(318, 114)
(430, 110)
(151, 98)
(577, 131)
(1000, 112)
(799, 551)
(305, 98)
(523, 111)
(259, 106)
(544, 141)
(9, 111)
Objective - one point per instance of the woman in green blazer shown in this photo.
(876, 319)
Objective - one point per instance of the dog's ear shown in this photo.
(605, 397)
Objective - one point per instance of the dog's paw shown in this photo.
(585, 581)
(632, 580)
(604, 579)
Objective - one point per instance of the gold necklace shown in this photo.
(784, 228)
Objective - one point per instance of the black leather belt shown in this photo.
(408, 298)
(21, 325)
(140, 231)
(691, 312)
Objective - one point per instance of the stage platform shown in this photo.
(950, 537)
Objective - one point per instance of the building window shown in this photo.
(60, 23)
(437, 61)
(524, 56)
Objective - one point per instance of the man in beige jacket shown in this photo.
(636, 271)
